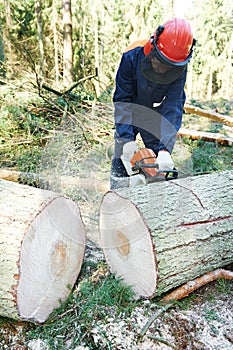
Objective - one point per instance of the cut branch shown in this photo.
(206, 136)
(73, 86)
(197, 283)
(209, 114)
(81, 81)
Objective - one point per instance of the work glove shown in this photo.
(129, 149)
(164, 160)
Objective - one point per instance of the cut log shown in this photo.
(160, 236)
(42, 245)
(206, 136)
(225, 119)
(49, 181)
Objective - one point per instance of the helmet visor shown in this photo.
(155, 69)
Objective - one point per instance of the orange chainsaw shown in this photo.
(144, 162)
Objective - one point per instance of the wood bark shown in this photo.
(42, 244)
(160, 236)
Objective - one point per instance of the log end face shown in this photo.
(51, 258)
(127, 245)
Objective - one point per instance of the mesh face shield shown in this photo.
(158, 68)
(159, 71)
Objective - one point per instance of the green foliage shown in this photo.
(96, 298)
(209, 157)
(25, 121)
(224, 286)
(101, 32)
(212, 22)
(211, 315)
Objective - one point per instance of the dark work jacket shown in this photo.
(142, 104)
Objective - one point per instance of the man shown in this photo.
(149, 96)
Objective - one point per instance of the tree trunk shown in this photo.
(38, 13)
(2, 54)
(6, 34)
(42, 244)
(68, 47)
(229, 68)
(159, 236)
(55, 41)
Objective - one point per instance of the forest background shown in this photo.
(60, 42)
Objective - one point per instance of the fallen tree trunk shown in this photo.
(206, 136)
(50, 181)
(225, 119)
(42, 244)
(160, 236)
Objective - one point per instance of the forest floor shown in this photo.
(201, 321)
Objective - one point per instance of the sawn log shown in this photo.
(42, 244)
(160, 236)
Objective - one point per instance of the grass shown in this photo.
(95, 298)
(224, 286)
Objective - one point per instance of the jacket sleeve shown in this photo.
(122, 99)
(172, 111)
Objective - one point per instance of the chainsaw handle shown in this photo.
(141, 165)
(167, 174)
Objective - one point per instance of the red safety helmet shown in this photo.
(174, 40)
(172, 46)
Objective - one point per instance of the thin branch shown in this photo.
(195, 284)
(66, 92)
(25, 142)
(48, 88)
(81, 81)
(153, 318)
(161, 340)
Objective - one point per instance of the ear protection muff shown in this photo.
(149, 46)
(150, 43)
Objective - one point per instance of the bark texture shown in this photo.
(42, 244)
(159, 236)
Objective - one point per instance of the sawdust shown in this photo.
(203, 321)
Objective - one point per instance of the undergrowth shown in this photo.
(95, 298)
